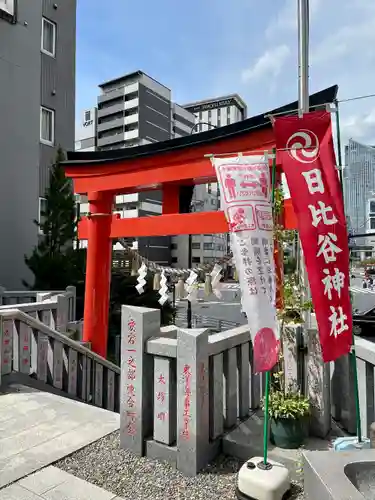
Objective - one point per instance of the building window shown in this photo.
(196, 246)
(208, 246)
(196, 260)
(48, 37)
(174, 260)
(174, 246)
(209, 116)
(42, 213)
(47, 126)
(372, 223)
(87, 116)
(209, 188)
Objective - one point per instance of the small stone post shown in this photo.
(318, 387)
(192, 400)
(292, 339)
(72, 309)
(2, 291)
(372, 435)
(62, 315)
(138, 324)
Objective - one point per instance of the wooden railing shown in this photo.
(33, 348)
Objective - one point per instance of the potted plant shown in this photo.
(288, 419)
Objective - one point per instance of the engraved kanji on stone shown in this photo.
(256, 251)
(314, 181)
(252, 281)
(254, 241)
(244, 251)
(328, 248)
(260, 270)
(248, 271)
(253, 290)
(321, 214)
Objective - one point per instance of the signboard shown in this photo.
(213, 105)
(245, 192)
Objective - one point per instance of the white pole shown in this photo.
(303, 105)
(303, 55)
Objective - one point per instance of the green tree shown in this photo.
(54, 262)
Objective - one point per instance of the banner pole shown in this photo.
(267, 380)
(352, 355)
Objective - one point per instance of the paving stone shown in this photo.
(16, 492)
(43, 442)
(77, 489)
(44, 480)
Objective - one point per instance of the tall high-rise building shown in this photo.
(37, 108)
(131, 111)
(208, 248)
(359, 190)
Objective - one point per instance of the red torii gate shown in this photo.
(165, 166)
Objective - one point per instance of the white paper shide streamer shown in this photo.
(142, 273)
(163, 292)
(215, 280)
(244, 184)
(191, 287)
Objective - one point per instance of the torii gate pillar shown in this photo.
(98, 269)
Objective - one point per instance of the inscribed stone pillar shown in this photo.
(192, 400)
(291, 339)
(138, 324)
(164, 400)
(318, 387)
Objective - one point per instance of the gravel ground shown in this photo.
(103, 463)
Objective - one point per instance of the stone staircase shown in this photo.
(56, 396)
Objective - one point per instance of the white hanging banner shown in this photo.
(245, 196)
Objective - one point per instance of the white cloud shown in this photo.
(286, 18)
(268, 64)
(360, 127)
(350, 39)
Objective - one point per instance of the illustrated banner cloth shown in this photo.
(245, 195)
(305, 151)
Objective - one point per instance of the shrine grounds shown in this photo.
(120, 472)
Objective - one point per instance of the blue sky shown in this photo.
(207, 48)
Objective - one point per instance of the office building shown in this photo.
(359, 192)
(37, 108)
(208, 248)
(131, 111)
(217, 112)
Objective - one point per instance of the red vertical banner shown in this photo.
(306, 154)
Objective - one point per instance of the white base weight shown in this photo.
(256, 482)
